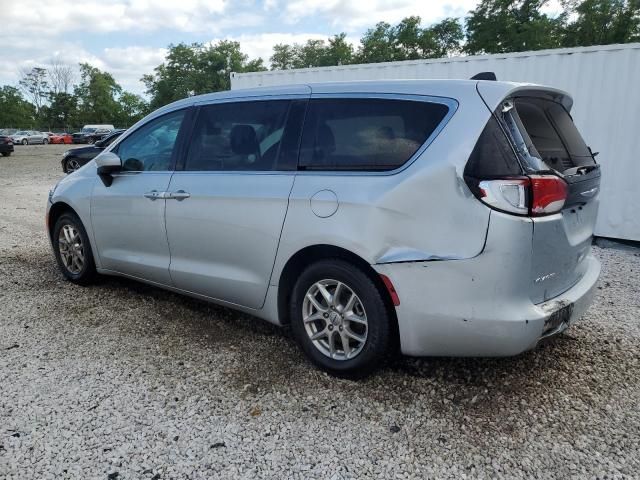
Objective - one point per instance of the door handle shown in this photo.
(179, 195)
(154, 194)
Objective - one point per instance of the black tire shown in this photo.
(45, 141)
(25, 141)
(87, 273)
(6, 154)
(378, 344)
(68, 167)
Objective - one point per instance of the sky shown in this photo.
(128, 38)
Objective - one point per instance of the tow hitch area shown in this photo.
(559, 317)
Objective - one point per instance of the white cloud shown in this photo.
(357, 14)
(60, 16)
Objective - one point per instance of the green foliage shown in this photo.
(601, 22)
(195, 69)
(35, 86)
(313, 53)
(96, 94)
(15, 111)
(500, 26)
(62, 110)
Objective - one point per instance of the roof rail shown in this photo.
(485, 76)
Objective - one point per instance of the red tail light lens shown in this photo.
(548, 194)
(535, 195)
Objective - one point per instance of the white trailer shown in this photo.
(603, 80)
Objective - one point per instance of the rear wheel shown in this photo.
(339, 318)
(45, 141)
(72, 249)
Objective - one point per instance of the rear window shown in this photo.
(544, 135)
(366, 134)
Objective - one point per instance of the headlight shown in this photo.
(66, 154)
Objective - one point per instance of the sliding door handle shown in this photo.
(154, 195)
(179, 195)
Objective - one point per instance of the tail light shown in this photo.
(534, 195)
(548, 194)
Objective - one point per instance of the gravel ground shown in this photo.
(125, 381)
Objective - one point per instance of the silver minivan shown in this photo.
(430, 217)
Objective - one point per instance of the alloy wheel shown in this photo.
(335, 319)
(71, 249)
(72, 165)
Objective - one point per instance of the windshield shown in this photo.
(88, 130)
(21, 132)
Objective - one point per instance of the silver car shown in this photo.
(443, 217)
(29, 137)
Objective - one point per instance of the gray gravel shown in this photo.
(125, 381)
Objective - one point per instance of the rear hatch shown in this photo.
(545, 172)
(552, 143)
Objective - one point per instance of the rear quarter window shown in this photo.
(366, 134)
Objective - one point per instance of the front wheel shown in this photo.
(71, 165)
(340, 319)
(25, 141)
(72, 249)
(6, 154)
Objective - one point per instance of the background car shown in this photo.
(61, 138)
(29, 137)
(92, 133)
(75, 158)
(6, 145)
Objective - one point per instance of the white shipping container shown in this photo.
(604, 82)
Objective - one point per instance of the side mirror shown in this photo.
(108, 163)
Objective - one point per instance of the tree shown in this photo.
(409, 41)
(97, 93)
(601, 22)
(62, 111)
(34, 84)
(500, 26)
(132, 108)
(284, 57)
(313, 53)
(15, 111)
(61, 76)
(195, 69)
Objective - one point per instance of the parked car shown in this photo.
(29, 137)
(442, 217)
(92, 133)
(65, 138)
(6, 145)
(75, 158)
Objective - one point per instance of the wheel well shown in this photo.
(56, 210)
(308, 255)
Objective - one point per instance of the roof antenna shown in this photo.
(484, 76)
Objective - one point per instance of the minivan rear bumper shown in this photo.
(501, 327)
(482, 306)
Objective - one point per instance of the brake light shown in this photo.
(549, 193)
(535, 195)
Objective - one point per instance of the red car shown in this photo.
(60, 138)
